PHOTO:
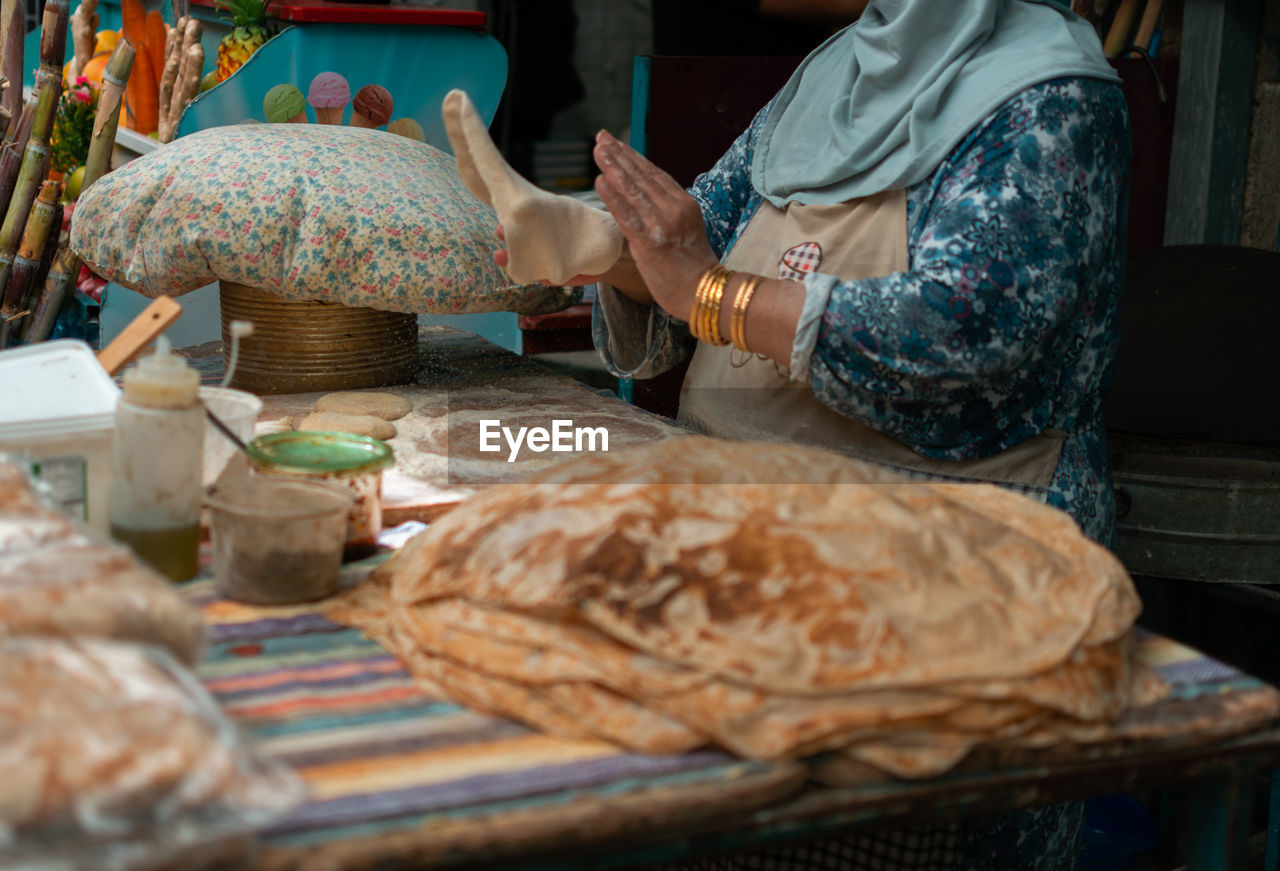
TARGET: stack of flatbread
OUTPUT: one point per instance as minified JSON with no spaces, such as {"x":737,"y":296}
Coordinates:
{"x":773,"y":600}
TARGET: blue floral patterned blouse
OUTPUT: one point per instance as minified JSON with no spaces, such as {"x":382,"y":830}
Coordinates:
{"x":1007,"y":322}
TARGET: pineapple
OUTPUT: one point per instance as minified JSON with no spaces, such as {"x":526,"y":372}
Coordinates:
{"x":250,"y":31}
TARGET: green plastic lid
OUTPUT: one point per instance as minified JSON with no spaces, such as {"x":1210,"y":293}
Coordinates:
{"x":309,"y":453}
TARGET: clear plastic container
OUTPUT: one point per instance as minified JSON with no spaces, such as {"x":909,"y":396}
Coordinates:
{"x":351,"y":461}
{"x":239,"y":410}
{"x":277,"y":541}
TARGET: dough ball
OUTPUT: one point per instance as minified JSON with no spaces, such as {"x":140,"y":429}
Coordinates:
{"x":358,"y":424}
{"x":387,"y":406}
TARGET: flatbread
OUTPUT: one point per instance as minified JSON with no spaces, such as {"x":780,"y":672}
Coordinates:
{"x":799,"y":588}
{"x":751,"y":722}
{"x":387,"y":406}
{"x":774,"y":600}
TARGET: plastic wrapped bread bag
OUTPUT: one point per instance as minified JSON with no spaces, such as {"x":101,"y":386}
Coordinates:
{"x":58,"y":579}
{"x":115,"y":756}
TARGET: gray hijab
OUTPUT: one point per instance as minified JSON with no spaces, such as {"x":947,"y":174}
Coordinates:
{"x":880,"y":104}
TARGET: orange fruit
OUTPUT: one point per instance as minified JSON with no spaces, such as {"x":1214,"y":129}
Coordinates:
{"x":107,"y":40}
{"x":94,"y":69}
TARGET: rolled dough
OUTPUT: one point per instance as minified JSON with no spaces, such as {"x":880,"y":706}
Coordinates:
{"x":549,"y":238}
{"x":387,"y":406}
{"x":357,"y":424}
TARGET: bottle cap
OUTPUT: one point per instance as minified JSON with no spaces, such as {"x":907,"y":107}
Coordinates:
{"x":162,"y":380}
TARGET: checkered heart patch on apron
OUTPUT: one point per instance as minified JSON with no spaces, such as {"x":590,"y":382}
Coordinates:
{"x":800,"y":260}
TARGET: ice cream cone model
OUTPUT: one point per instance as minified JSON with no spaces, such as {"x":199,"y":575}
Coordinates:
{"x":407,"y":128}
{"x":371,"y":107}
{"x":549,"y":237}
{"x":328,"y":95}
{"x":285,"y":104}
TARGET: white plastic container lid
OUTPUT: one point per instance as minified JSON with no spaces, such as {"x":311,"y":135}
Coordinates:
{"x":54,"y":388}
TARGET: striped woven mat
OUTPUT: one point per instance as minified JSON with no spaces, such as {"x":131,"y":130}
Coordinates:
{"x":386,"y":764}
{"x":400,"y":779}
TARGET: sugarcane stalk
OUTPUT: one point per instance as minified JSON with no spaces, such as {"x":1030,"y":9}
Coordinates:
{"x":53,"y":34}
{"x":11,"y":162}
{"x":20,"y":128}
{"x":14,"y":30}
{"x":12,"y":151}
{"x":35,"y":165}
{"x":34,"y":238}
{"x":54,"y":242}
{"x":27,"y":261}
{"x":107,"y":120}
{"x":36,"y":152}
{"x":66,"y":266}
{"x":57,"y":290}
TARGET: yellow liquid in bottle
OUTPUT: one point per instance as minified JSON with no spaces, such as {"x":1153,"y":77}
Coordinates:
{"x":175,"y":553}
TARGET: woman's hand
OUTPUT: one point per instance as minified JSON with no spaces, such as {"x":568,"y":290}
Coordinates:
{"x":665,"y":232}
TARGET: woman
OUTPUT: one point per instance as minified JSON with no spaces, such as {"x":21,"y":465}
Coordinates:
{"x":936,"y":201}
{"x":930,"y":218}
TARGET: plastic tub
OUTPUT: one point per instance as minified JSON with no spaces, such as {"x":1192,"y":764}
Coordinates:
{"x":239,"y":411}
{"x":57,"y":413}
{"x":277,"y":541}
{"x":352,"y":461}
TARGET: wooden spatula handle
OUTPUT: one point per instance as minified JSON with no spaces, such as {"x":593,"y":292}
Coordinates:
{"x":142,"y":330}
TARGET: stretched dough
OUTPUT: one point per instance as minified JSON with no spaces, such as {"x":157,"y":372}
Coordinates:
{"x":356,"y":424}
{"x":387,"y":406}
{"x":548,"y":237}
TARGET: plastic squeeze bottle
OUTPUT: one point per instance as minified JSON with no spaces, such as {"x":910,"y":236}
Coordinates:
{"x":159,"y":441}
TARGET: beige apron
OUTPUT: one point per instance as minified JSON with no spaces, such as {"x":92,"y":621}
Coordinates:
{"x":734,"y":395}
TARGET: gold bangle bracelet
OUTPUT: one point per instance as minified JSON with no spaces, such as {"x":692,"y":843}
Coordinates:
{"x":699,"y":294}
{"x":698,"y":322}
{"x":695,"y":312}
{"x":715,"y":297}
{"x":738,"y":324}
{"x":708,"y":326}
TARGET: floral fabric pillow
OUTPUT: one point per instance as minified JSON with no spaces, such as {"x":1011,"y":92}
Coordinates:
{"x":309,"y":212}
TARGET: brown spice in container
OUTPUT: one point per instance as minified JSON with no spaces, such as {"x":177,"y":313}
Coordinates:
{"x":281,"y":576}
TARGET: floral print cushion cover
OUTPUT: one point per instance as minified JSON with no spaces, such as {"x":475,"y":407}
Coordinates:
{"x":308,"y":212}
